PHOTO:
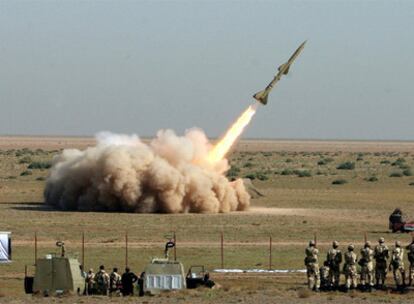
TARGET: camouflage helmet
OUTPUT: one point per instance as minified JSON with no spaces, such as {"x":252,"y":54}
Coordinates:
{"x":397,"y":244}
{"x":351,"y":247}
{"x":335,"y":244}
{"x":311,"y":243}
{"x":381,"y":240}
{"x":368,"y":244}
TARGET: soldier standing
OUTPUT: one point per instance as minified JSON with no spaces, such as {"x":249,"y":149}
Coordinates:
{"x":381,"y":255}
{"x":102,"y":281}
{"x":367,"y":267}
{"x":324,"y":271}
{"x":397,"y":264}
{"x":410,"y":254}
{"x":312,"y":266}
{"x":350,"y":268}
{"x":90,"y":282}
{"x":334,"y":258}
{"x":128,"y":279}
{"x":114,"y":282}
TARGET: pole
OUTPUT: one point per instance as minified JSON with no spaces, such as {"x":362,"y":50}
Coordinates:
{"x":365,"y":237}
{"x":35,"y":248}
{"x":222,"y":250}
{"x":83,"y":250}
{"x":175,"y":246}
{"x":270,"y":253}
{"x":126,"y":249}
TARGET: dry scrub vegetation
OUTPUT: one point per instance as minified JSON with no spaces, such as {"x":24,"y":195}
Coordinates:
{"x":301,"y":198}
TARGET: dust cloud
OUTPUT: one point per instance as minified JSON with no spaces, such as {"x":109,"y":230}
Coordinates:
{"x":171,"y":174}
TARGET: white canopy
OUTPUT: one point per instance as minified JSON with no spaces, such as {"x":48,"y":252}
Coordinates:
{"x":5,"y":247}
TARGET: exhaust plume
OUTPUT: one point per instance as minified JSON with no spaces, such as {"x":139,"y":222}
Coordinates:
{"x":171,"y":174}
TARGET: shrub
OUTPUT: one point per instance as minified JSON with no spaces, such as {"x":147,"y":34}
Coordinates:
{"x":250,"y":176}
{"x":346,"y":166}
{"x":303,"y":173}
{"x":39,"y":165}
{"x":408,"y":172}
{"x":404,"y":166}
{"x":11,"y":177}
{"x":287,"y":172}
{"x":26,"y":172}
{"x":289,"y":160}
{"x":248,"y":165}
{"x":396,"y":174}
{"x":411,"y":184}
{"x":261,"y":176}
{"x":233,"y":172}
{"x":25,"y":160}
{"x":385,"y":162}
{"x":372,"y":179}
{"x":400,"y":161}
{"x":322,"y":162}
{"x":41,"y":178}
{"x":339,"y":182}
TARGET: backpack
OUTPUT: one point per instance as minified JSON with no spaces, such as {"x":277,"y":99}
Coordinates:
{"x":100,"y":279}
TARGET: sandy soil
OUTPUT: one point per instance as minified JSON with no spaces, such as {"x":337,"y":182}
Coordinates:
{"x":248,"y":145}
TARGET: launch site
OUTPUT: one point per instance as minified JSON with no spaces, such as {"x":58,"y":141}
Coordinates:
{"x":198,"y":152}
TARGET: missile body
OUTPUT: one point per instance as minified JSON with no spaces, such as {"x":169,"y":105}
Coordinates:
{"x":283,"y":70}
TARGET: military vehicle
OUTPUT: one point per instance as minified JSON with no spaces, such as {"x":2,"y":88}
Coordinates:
{"x":398,"y":222}
{"x":56,"y":274}
{"x":282,"y":70}
{"x":163,"y":274}
{"x":197,"y":276}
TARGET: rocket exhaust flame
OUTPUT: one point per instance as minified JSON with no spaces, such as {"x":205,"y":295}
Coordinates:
{"x":222,"y":147}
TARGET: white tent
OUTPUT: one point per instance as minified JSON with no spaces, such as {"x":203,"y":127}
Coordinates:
{"x":5,"y":247}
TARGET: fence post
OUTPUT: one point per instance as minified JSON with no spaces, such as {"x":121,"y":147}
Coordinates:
{"x":175,"y":246}
{"x":83,"y":250}
{"x":126,"y":249}
{"x":35,"y":248}
{"x":222,"y":250}
{"x":270,"y":253}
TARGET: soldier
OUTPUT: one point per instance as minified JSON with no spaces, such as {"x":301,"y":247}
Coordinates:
{"x":114,"y":282}
{"x":334,"y":258}
{"x":381,"y":255}
{"x":367,"y":267}
{"x":128,"y":279}
{"x":90,"y":282}
{"x":102,"y":281}
{"x":410,"y":254}
{"x":350,"y":269}
{"x":397,"y":265}
{"x":312,"y":267}
{"x":324,"y":271}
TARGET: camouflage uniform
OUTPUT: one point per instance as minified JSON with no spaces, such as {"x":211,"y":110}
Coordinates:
{"x":350,"y":268}
{"x":312,"y":266}
{"x":367,"y":266}
{"x":334,"y":258}
{"x":324,"y":271}
{"x":102,"y":281}
{"x":115,"y":282}
{"x":397,"y":264}
{"x":381,"y":255}
{"x":410,"y":254}
{"x":90,"y":282}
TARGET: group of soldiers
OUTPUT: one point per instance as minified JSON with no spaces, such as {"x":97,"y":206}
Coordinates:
{"x":102,"y":283}
{"x":327,"y":277}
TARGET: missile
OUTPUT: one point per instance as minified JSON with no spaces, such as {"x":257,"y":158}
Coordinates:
{"x":283,"y":70}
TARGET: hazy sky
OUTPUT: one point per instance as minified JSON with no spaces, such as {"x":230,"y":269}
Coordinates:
{"x":79,"y":67}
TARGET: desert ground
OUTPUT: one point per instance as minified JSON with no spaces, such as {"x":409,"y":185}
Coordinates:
{"x":338,"y":190}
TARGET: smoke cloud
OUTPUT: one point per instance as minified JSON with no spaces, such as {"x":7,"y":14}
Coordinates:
{"x":171,"y":174}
